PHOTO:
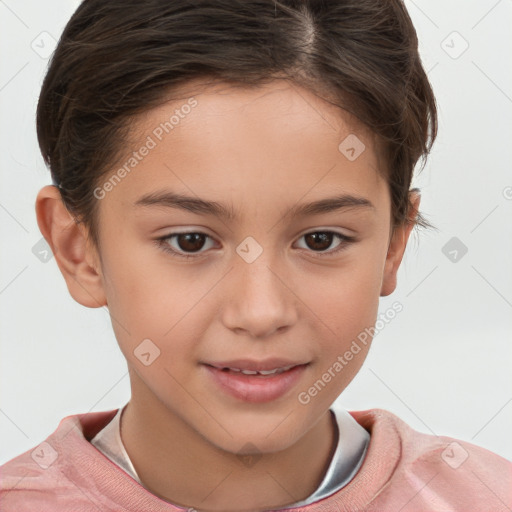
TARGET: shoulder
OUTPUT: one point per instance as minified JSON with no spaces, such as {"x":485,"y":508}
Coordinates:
{"x":33,"y":478}
{"x":38,"y":478}
{"x":434,"y":472}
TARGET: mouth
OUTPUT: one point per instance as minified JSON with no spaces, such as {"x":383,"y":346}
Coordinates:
{"x":262,"y":373}
{"x":256,"y":386}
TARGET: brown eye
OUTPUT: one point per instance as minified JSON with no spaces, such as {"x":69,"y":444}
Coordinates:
{"x":320,"y":240}
{"x":190,"y":241}
{"x":186,"y":245}
{"x":190,"y":244}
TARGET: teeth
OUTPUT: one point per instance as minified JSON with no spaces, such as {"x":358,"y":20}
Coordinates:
{"x":262,"y":372}
{"x":270,"y":372}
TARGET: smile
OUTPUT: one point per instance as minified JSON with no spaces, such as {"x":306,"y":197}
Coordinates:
{"x":260,"y":372}
{"x":256,"y":386}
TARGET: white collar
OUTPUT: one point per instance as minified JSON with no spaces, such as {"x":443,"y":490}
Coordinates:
{"x":350,"y":451}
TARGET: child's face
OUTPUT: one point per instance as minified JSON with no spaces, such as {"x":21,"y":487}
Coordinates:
{"x":259,"y":153}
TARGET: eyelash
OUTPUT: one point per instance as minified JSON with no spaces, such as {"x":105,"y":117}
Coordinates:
{"x":344,"y":239}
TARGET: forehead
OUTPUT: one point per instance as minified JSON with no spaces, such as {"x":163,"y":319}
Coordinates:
{"x":261,"y":145}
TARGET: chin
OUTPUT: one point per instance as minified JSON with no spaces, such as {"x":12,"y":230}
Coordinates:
{"x":250,"y":438}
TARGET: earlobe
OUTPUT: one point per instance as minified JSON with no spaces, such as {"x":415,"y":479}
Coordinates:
{"x":76,"y":259}
{"x":397,"y":246}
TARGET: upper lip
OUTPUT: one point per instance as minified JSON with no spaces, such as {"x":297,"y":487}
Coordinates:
{"x":249,"y":364}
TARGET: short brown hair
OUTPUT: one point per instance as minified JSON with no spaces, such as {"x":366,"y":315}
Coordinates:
{"x":119,"y":58}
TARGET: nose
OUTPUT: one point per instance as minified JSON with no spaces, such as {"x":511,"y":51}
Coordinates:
{"x":259,"y":301}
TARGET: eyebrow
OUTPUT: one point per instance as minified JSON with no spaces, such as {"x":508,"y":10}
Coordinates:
{"x":169,"y":199}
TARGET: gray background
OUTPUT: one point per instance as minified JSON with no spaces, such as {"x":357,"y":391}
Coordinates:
{"x":443,"y":364}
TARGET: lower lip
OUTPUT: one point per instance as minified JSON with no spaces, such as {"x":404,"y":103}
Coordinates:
{"x":256,"y":388}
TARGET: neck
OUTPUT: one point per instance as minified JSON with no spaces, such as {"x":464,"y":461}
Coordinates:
{"x":177,"y":464}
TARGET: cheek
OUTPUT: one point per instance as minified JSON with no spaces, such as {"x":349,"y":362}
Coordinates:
{"x":137,"y":298}
{"x":347,"y":309}
{"x":350,"y":296}
{"x":346,"y":306}
{"x":159,"y":302}
{"x":139,"y":280}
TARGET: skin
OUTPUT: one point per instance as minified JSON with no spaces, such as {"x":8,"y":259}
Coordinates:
{"x":259,"y":151}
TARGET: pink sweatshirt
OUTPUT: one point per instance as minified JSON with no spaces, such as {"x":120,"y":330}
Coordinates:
{"x":403,"y":471}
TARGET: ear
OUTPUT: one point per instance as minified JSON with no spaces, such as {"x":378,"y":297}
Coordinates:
{"x":77,"y":259}
{"x":397,"y":246}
